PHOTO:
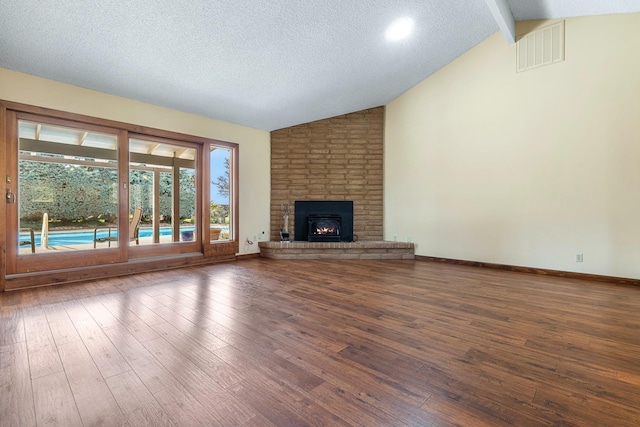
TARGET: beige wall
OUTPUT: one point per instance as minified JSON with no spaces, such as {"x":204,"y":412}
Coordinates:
{"x":486,"y":164}
{"x":254,"y":144}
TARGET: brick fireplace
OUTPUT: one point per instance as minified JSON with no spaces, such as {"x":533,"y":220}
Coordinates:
{"x":335,"y":159}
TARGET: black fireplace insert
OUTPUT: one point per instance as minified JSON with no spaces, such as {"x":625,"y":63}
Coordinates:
{"x":323,"y":221}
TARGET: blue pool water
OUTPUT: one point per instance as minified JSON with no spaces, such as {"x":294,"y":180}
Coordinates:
{"x":63,"y":238}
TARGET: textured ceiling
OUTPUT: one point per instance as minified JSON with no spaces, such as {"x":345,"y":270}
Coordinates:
{"x":524,"y":10}
{"x":267,"y":64}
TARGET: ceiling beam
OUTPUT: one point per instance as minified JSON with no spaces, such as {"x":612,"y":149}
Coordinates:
{"x":82,"y":138}
{"x":180,"y":153}
{"x":504,"y":18}
{"x":34,"y":146}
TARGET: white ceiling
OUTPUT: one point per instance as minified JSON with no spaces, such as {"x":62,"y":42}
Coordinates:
{"x":263,"y":64}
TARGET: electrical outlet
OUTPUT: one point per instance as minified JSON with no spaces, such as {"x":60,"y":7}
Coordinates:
{"x":579,"y":258}
{"x":408,"y":239}
{"x":395,"y":238}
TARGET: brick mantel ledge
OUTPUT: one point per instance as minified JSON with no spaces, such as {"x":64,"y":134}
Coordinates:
{"x":337,"y":250}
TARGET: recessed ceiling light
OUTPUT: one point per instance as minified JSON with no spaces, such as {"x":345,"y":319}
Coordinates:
{"x":399,"y":29}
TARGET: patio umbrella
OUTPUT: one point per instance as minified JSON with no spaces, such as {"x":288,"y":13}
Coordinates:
{"x":44,"y":236}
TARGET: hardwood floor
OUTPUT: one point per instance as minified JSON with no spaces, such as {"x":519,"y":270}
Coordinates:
{"x":291,"y":343}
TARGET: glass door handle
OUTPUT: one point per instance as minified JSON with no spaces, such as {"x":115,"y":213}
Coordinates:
{"x":11,"y":197}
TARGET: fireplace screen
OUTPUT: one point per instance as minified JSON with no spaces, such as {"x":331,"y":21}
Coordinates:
{"x":324,"y":228}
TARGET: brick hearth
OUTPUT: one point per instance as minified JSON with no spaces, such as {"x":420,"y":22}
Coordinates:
{"x":341,"y":250}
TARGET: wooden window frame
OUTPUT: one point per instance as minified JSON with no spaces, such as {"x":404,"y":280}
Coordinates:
{"x":17,"y":271}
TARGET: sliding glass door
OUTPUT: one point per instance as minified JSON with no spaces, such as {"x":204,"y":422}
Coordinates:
{"x":163,"y":184}
{"x":89,"y":192}
{"x":65,"y":197}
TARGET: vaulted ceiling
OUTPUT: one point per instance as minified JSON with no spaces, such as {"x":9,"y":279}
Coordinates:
{"x":262,"y":64}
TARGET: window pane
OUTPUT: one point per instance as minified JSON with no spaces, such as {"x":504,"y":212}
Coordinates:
{"x":67,"y":188}
{"x":163,"y":186}
{"x":220,"y":207}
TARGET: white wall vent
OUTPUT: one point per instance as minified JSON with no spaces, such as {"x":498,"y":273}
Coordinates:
{"x":540,"y":47}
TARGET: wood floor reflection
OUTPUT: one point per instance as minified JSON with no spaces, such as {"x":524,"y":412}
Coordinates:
{"x":278,"y":343}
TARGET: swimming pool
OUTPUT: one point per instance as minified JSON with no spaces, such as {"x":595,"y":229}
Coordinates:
{"x":83,"y":237}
